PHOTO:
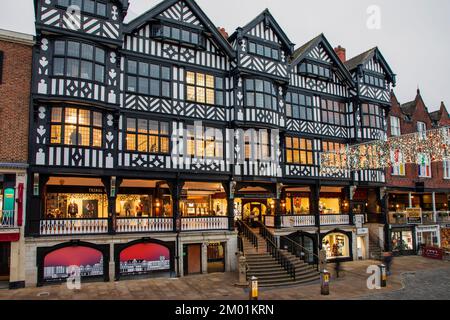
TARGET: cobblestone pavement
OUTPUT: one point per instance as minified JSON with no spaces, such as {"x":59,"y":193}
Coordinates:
{"x":431,"y":280}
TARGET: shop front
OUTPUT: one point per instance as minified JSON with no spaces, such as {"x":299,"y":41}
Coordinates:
{"x":402,"y":240}
{"x":337,"y":245}
{"x":445,"y":236}
{"x":428,"y":236}
{"x":5,"y":261}
{"x":216,"y":257}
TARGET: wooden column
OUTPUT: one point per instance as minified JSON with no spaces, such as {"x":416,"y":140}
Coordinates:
{"x":314,"y":209}
{"x":229,"y":187}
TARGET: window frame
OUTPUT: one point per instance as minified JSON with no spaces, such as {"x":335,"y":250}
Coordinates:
{"x":331,"y":146}
{"x":138,"y":76}
{"x":83,"y":10}
{"x":398,"y":168}
{"x":264,"y":47}
{"x":293,"y":149}
{"x":307,"y":68}
{"x":273,"y":94}
{"x":290,"y":105}
{"x":424,"y":171}
{"x":62,"y":124}
{"x":193,"y":144}
{"x":398,"y":130}
{"x":342,"y":114}
{"x":127,"y":133}
{"x":374,"y":80}
{"x":158,"y":32}
{"x":370,"y":115}
{"x":80,"y":59}
{"x":446,"y":169}
{"x":218,"y":92}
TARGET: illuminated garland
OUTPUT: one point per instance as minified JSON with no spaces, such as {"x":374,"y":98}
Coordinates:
{"x":420,"y":148}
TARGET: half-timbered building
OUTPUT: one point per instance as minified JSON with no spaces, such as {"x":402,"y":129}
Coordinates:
{"x":152,"y":138}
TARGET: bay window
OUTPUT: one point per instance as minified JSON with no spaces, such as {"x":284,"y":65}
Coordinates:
{"x":80,"y":127}
{"x":148,"y":79}
{"x":263,"y":50}
{"x":204,"y":88}
{"x":372,"y":116}
{"x":333,"y":112}
{"x":88,"y":6}
{"x":261,"y":94}
{"x":78,"y":60}
{"x":206,"y":142}
{"x":299,"y":106}
{"x":314,"y":69}
{"x":299,"y":151}
{"x":144,"y":135}
{"x":374,"y":80}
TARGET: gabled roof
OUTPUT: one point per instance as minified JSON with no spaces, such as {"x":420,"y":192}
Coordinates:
{"x":301,"y":52}
{"x":362,"y":58}
{"x":166,"y":4}
{"x":438,"y":114}
{"x":269,"y":20}
{"x":409,"y":108}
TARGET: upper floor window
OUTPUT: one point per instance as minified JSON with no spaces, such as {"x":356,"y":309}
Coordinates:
{"x":299,"y":106}
{"x":372,"y":116}
{"x":207,"y":142}
{"x":264,"y":51}
{"x":177,"y":34}
{"x":374,"y":81}
{"x":204,"y":88}
{"x":261,"y":94}
{"x":446,"y":164}
{"x":424,"y":166}
{"x":397,"y":163}
{"x":79,"y":60}
{"x":148,"y":79}
{"x":337,"y":158}
{"x":395,"y":126}
{"x":333,"y":112}
{"x":421,"y":129}
{"x":299,"y":151}
{"x":257,"y":144}
{"x":78,"y":127}
{"x":89,"y":6}
{"x":319,"y":70}
{"x":147,"y":135}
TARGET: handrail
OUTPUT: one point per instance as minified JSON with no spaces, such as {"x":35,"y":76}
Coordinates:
{"x":295,"y":248}
{"x":276,"y":253}
{"x":248,"y":233}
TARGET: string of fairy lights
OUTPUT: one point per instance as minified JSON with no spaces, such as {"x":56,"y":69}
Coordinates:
{"x":419,"y":147}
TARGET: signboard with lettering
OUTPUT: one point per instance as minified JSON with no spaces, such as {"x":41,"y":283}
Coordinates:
{"x":414,"y":215}
{"x":433,"y":253}
{"x":362,"y":231}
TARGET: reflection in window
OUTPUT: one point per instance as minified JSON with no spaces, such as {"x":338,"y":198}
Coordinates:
{"x":147,"y":135}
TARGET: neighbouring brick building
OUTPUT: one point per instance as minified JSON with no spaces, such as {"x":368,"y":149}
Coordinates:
{"x":425,"y":185}
{"x":15,"y":80}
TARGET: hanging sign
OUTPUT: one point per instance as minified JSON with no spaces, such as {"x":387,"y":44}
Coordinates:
{"x":414,"y":215}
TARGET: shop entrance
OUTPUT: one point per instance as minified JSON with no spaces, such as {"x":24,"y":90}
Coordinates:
{"x":361,"y":247}
{"x":5,"y":254}
{"x":254,"y":210}
{"x":192,"y":259}
{"x":216,"y":257}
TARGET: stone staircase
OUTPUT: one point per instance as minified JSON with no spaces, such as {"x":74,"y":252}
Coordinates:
{"x":375,"y":252}
{"x":271,"y":274}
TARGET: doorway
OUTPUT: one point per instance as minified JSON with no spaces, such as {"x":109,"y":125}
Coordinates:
{"x":192,"y":259}
{"x":5,"y":259}
{"x":361,"y":247}
{"x":216,"y":257}
{"x":253,"y":211}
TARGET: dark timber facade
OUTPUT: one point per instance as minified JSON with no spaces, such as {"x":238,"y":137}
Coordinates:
{"x":156,"y":135}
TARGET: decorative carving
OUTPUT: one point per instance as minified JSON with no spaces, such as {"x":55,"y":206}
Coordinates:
{"x":41,"y":113}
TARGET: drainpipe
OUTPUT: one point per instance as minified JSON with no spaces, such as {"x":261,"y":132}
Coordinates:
{"x":433,"y":200}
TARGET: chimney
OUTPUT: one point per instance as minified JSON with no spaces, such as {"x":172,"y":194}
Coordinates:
{"x":223,"y":32}
{"x":341,"y":53}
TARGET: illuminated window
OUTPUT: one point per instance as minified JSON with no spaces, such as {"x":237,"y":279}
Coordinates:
{"x":299,"y":151}
{"x":338,"y":158}
{"x":147,"y":136}
{"x":424,"y":165}
{"x":80,"y":127}
{"x":397,"y":163}
{"x":204,"y":142}
{"x":204,"y":88}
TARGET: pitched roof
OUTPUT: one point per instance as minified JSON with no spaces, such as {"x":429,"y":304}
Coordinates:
{"x":408,"y":108}
{"x":304,"y":48}
{"x":352,"y":63}
{"x":166,"y":4}
{"x":268,"y":18}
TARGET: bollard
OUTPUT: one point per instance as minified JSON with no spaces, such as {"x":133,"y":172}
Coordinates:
{"x":254,"y":288}
{"x":383,"y":276}
{"x":324,"y":283}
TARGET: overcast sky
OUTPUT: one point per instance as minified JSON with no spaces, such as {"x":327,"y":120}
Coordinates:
{"x":413,"y":36}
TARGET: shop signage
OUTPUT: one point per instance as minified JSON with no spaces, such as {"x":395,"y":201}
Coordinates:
{"x":414,"y":215}
{"x":362,"y":231}
{"x":433,"y":253}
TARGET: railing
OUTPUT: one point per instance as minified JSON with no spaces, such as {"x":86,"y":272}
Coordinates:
{"x":269,"y":221}
{"x":397,"y":218}
{"x":204,"y":223}
{"x":73,"y":226}
{"x":276,"y":253}
{"x":427,"y":217}
{"x":240,"y":244}
{"x":299,"y":251}
{"x":7,"y":219}
{"x":332,"y":219}
{"x":443,"y":216}
{"x":144,"y":224}
{"x":297,"y":221}
{"x":247,"y":232}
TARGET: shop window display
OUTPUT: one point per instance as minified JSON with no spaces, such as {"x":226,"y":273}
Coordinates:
{"x":336,"y":245}
{"x":402,"y":240}
{"x":76,"y":206}
{"x":134,"y":205}
{"x":199,"y":205}
{"x":329,"y":205}
{"x":297,"y":205}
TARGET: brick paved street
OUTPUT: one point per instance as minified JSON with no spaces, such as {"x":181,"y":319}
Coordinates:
{"x":431,"y":281}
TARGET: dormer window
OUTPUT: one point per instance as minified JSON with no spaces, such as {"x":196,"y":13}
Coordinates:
{"x":171,"y":33}
{"x":264,"y":51}
{"x":315,"y":70}
{"x":373,"y":80}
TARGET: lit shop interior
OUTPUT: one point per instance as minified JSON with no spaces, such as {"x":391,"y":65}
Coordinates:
{"x":336,"y":245}
{"x":400,"y":201}
{"x":203,"y":199}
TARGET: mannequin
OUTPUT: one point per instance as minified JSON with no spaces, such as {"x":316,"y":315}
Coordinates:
{"x":73,"y":209}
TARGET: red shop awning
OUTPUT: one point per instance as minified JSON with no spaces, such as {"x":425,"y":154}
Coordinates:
{"x":9,"y":237}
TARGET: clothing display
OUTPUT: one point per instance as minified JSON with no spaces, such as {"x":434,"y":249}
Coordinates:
{"x":72,"y":209}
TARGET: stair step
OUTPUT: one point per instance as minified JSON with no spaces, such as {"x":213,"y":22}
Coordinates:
{"x":288,"y":283}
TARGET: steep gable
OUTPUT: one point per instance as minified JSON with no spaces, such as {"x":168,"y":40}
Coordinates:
{"x":181,"y":12}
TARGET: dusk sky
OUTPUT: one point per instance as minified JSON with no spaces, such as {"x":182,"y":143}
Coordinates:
{"x":413,"y":34}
